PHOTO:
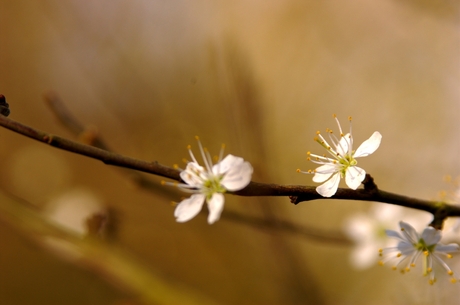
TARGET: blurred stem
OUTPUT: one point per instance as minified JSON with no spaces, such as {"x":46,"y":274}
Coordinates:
{"x":107,"y":261}
{"x":91,"y":137}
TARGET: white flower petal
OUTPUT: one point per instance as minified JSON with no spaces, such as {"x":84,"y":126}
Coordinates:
{"x":229,"y":162}
{"x":369,"y":146}
{"x":411,"y":235}
{"x":215,"y":206}
{"x":238,"y":177}
{"x":193,"y":174}
{"x":359,"y":227}
{"x":394,"y":234}
{"x":364,"y":255}
{"x":189,"y":208}
{"x":387,"y":213}
{"x":447,"y":248}
{"x":344,"y":145}
{"x":354,"y":176}
{"x":431,"y":236}
{"x":406,"y":248}
{"x":323,"y":172}
{"x":329,"y":188}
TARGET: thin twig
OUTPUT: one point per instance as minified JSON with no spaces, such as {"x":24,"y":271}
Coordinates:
{"x":297,"y":193}
{"x":71,"y":123}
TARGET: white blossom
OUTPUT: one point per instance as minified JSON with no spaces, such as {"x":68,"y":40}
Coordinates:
{"x":208,"y":183}
{"x":342,"y":161}
{"x":411,"y":246}
{"x":367,"y":230}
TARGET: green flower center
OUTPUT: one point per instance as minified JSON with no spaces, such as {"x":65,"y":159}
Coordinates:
{"x":213,"y":185}
{"x":422,"y":246}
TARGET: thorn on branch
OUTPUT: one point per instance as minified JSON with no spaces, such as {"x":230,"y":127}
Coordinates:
{"x":369,"y":184}
{"x":294,"y":199}
{"x":4,"y":107}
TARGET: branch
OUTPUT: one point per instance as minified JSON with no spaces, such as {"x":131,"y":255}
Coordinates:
{"x":105,"y":156}
{"x":297,"y":193}
{"x":91,"y":137}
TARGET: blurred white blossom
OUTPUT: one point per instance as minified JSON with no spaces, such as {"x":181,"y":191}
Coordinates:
{"x":79,"y":212}
{"x":367,"y":230}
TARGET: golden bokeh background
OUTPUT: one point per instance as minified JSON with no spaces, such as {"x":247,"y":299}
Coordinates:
{"x":259,"y":76}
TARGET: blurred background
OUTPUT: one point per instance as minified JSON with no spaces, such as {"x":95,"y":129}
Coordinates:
{"x":261,"y":77}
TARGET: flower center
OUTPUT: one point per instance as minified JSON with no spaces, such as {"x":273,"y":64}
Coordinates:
{"x":212,"y":185}
{"x":422,"y":246}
